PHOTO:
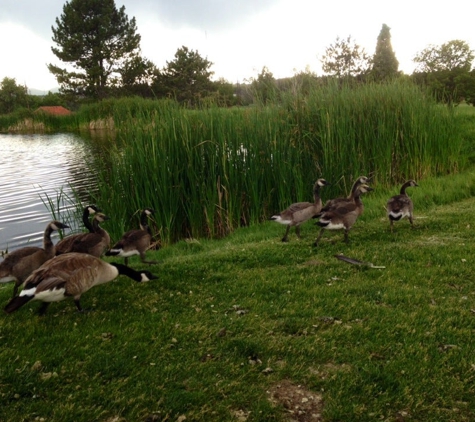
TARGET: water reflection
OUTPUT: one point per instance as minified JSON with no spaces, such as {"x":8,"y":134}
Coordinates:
{"x":33,"y":167}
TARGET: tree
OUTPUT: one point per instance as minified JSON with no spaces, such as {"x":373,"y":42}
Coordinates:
{"x":385,"y":64}
{"x":345,"y":58}
{"x":187,"y":78}
{"x":446,"y":70}
{"x":224,"y":93}
{"x":98,"y":41}
{"x":12,"y":96}
{"x":136,"y":77}
{"x":455,"y":54}
{"x":264,"y":88}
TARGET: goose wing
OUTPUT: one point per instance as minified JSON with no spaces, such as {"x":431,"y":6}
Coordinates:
{"x":14,"y":257}
{"x":398,"y":202}
{"x":131,"y":236}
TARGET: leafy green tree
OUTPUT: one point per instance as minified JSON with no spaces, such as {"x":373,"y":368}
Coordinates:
{"x":446,"y":70}
{"x":345,"y":58}
{"x":455,"y":54}
{"x":98,"y":41}
{"x":52,"y":99}
{"x":264,"y":87}
{"x":224,"y":93}
{"x":136,"y":77}
{"x":187,"y":78}
{"x":12,"y":96}
{"x":385,"y":65}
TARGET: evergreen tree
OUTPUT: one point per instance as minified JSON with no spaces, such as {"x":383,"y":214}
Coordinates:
{"x":98,"y":41}
{"x":187,"y":78}
{"x":385,"y":64}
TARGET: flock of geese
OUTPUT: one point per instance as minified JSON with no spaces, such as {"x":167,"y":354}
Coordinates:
{"x":342,"y":213}
{"x":74,"y":265}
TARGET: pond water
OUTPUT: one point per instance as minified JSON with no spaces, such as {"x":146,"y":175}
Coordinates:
{"x":34,"y":168}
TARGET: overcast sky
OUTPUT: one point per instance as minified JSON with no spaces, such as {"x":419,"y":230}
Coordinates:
{"x":240,"y":37}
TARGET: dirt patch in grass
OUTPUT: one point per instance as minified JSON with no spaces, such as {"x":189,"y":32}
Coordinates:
{"x":301,"y":404}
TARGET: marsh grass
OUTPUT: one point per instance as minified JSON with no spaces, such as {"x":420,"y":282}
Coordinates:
{"x":390,"y":344}
{"x":212,"y":170}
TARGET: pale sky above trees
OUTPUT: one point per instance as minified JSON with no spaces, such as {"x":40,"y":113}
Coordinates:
{"x":240,"y":38}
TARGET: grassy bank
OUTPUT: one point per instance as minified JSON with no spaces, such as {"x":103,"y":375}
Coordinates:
{"x":247,"y":328}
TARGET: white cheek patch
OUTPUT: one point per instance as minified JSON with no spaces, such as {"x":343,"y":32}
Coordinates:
{"x":29,"y":292}
{"x":144,"y":278}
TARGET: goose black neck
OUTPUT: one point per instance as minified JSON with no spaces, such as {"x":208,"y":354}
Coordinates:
{"x":144,"y":222}
{"x":404,"y":187}
{"x":85,"y":220}
{"x":127,"y":271}
{"x":47,"y":242}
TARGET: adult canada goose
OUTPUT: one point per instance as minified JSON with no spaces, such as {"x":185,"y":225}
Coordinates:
{"x":335,"y":201}
{"x":344,"y":214}
{"x":95,"y":243}
{"x":64,"y":244}
{"x":400,"y":206}
{"x":300,"y":212}
{"x":135,"y":242}
{"x":19,"y":264}
{"x":70,"y":275}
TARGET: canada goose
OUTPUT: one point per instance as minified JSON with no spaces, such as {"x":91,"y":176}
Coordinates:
{"x":400,"y":206}
{"x":70,"y":275}
{"x":300,"y":212}
{"x":95,"y":243}
{"x":344,"y":214}
{"x":335,"y":201}
{"x":135,"y":242}
{"x":19,"y":264}
{"x":64,"y":244}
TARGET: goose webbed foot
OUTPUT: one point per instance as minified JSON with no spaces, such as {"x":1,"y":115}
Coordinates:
{"x":43,"y":308}
{"x":80,"y":308}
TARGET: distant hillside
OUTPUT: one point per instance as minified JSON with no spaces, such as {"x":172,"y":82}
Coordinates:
{"x":42,"y":92}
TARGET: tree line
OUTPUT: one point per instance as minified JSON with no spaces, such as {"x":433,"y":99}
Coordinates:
{"x":100,"y":48}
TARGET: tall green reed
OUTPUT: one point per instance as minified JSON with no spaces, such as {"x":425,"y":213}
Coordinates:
{"x":211,"y":170}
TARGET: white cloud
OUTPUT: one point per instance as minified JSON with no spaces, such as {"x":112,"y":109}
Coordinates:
{"x":240,"y":38}
{"x":25,"y":57}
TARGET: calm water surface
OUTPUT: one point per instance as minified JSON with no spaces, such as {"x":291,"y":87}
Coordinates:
{"x":33,"y":167}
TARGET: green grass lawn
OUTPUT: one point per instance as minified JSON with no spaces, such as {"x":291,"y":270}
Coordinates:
{"x":248,"y":328}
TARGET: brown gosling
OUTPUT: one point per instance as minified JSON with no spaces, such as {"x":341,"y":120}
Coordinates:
{"x":344,"y":214}
{"x":19,"y":264}
{"x":333,"y":202}
{"x":135,"y":242}
{"x":70,"y":275}
{"x":401,"y":206}
{"x":96,"y":243}
{"x":64,"y":244}
{"x":300,"y":212}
